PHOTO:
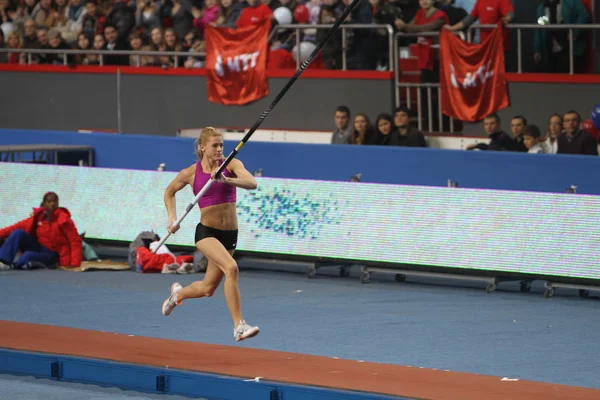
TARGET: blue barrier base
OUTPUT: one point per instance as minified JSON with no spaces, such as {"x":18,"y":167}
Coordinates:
{"x":163,"y":380}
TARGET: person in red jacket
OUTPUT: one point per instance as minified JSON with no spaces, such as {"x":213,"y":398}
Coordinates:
{"x":255,"y":13}
{"x":47,"y":238}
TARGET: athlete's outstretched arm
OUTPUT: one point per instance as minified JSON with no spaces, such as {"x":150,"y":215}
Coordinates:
{"x":180,"y":181}
{"x":243,"y":179}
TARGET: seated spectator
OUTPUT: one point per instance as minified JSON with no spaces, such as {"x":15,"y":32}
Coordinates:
{"x":74,"y":13}
{"x":42,"y":40}
{"x":196,"y":61}
{"x":531,"y":139}
{"x":229,"y":14}
{"x":343,"y":129}
{"x":122,"y":17}
{"x":386,"y":133}
{"x":517,"y":125}
{"x":43,"y":14}
{"x":555,"y":128}
{"x":94,"y":20}
{"x":574,"y":140}
{"x":409,"y":135}
{"x":115,"y":42}
{"x":46,"y":239}
{"x":172,"y":44}
{"x":362,"y":132}
{"x":15,"y":41}
{"x":499,"y":140}
{"x":30,"y":37}
{"x":99,"y":44}
{"x":84,"y":42}
{"x":135,"y":42}
{"x":147,"y":16}
{"x":551,"y":46}
{"x":55,"y":42}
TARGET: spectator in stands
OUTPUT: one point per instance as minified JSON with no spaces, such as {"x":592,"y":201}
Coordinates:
{"x":149,"y":61}
{"x":147,"y":16}
{"x":230,"y":12}
{"x":196,"y":61}
{"x":115,"y":42}
{"x":488,"y":12}
{"x":383,"y":12}
{"x":574,"y":140}
{"x":555,"y":128}
{"x":517,"y":125}
{"x":135,"y":42}
{"x":99,"y":44}
{"x":173,"y":44}
{"x":254,"y":13}
{"x":499,"y":140}
{"x":30,"y":38}
{"x":362,"y":132}
{"x":43,"y":14}
{"x":386,"y":133}
{"x":360,"y":53}
{"x":205,"y":16}
{"x":552,"y":45}
{"x":42,"y":38}
{"x":29,"y":6}
{"x":343,"y":129}
{"x":84,"y":42}
{"x":69,"y":19}
{"x":455,"y":14}
{"x":531,"y":139}
{"x":47,"y":238}
{"x":179,"y":12}
{"x":427,"y":19}
{"x":93,"y":21}
{"x":122,"y":17}
{"x":409,"y":135}
{"x":15,"y":41}
{"x":332,"y":50}
{"x":56,"y":43}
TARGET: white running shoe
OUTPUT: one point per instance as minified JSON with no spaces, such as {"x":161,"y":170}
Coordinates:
{"x":172,"y":302}
{"x":244,"y":331}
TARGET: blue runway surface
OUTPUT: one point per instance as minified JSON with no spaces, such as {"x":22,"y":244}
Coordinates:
{"x":458,"y":328}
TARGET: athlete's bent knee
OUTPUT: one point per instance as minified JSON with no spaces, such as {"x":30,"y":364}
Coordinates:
{"x":231,"y":269}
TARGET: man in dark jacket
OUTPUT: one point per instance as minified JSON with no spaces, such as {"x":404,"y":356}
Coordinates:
{"x":574,"y":140}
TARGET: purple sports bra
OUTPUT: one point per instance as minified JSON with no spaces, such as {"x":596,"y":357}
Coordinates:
{"x":218,"y":193}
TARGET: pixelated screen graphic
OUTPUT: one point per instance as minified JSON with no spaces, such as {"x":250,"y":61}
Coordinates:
{"x":524,"y":232}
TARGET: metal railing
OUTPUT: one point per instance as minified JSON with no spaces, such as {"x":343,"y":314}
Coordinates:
{"x":101,"y":53}
{"x":521,"y":27}
{"x":343,"y":28}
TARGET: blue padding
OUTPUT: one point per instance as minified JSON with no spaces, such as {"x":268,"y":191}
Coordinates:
{"x":163,"y":380}
{"x":397,"y":165}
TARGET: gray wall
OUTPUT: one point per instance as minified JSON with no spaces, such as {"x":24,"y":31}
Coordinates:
{"x":162,"y":104}
{"x":154,"y":104}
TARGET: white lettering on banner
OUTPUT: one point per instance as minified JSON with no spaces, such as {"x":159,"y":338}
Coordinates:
{"x":237,"y":63}
{"x":470,"y":80}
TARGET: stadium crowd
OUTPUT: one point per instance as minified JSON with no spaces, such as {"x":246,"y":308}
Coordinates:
{"x":179,"y":25}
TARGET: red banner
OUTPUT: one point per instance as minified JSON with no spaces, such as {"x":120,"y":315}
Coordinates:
{"x":472,"y":76}
{"x":236,"y":61}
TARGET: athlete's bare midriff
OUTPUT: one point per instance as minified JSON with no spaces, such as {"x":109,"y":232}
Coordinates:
{"x":220,"y":216}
